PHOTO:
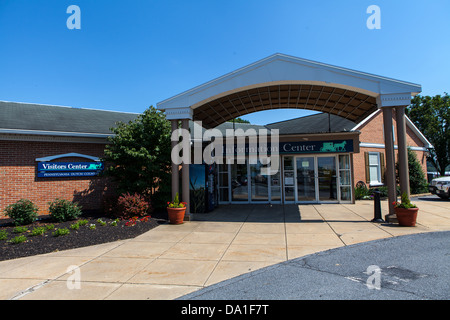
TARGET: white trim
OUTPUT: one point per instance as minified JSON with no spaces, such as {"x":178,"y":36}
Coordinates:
{"x":365,"y":120}
{"x":394,"y":99}
{"x":56,"y":133}
{"x":51,"y":105}
{"x":68,"y":155}
{"x":280,"y":68}
{"x":378,"y":167}
{"x":418,"y":133}
{"x":381,"y":146}
{"x":409,"y":123}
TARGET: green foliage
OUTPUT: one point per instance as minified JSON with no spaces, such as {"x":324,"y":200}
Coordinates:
{"x":64,"y":210}
{"x":361,"y":192}
{"x":60,"y":232}
{"x":20,"y":229}
{"x":239,"y":120}
{"x":3,"y":235}
{"x":139,"y":155}
{"x":176,"y":203}
{"x":38,"y":231}
{"x":417,"y":181}
{"x":18,"y":239}
{"x":406,"y":203}
{"x":75,"y":226}
{"x":364,"y":193}
{"x":22,"y":212}
{"x":431,"y":115}
{"x":83,"y":222}
{"x":101,"y":222}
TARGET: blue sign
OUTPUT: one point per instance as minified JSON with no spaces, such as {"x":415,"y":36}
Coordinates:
{"x":69,"y":169}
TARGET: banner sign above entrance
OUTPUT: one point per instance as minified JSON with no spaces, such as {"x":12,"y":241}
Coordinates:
{"x":69,"y":169}
{"x":334,"y":146}
{"x":298,"y":147}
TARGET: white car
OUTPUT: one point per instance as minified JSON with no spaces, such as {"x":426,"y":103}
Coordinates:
{"x":440,"y":187}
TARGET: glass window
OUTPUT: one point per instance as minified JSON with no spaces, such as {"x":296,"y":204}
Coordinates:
{"x":374,"y":168}
{"x":239,"y":182}
{"x":345,"y":178}
{"x":288,"y":163}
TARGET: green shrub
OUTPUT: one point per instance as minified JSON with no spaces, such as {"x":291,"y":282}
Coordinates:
{"x":22,"y":212}
{"x":83,"y":222}
{"x":361,"y":192}
{"x":18,"y":239}
{"x":20,"y":229}
{"x":60,"y":232}
{"x":38,"y":231}
{"x":63,"y":210}
{"x":75,"y":226}
{"x":3,"y":235}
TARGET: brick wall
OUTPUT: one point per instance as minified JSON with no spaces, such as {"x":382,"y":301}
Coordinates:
{"x":373,"y":132}
{"x":18,"y":175}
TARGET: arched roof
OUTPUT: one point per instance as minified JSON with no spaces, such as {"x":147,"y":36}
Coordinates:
{"x":282,"y":81}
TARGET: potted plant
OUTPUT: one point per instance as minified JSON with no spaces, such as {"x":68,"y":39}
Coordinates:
{"x":176,"y":210}
{"x":406,"y":212}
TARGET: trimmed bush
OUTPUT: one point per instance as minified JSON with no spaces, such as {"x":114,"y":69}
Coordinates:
{"x":63,"y":210}
{"x":22,"y":212}
{"x":132,"y":205}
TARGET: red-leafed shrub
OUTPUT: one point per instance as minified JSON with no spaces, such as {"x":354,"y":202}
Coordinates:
{"x":132,"y":205}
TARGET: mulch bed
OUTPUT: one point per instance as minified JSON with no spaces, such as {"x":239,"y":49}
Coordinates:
{"x":84,"y":236}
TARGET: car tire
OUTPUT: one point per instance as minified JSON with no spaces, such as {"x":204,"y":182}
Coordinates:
{"x":444,"y":197}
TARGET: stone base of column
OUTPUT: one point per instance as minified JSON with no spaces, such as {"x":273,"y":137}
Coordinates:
{"x":188,"y":217}
{"x":391,"y":218}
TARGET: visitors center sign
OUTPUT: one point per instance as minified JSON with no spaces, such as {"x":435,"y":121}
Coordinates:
{"x":69,"y":169}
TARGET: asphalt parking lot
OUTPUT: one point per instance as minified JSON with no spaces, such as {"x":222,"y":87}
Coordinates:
{"x":412,"y":267}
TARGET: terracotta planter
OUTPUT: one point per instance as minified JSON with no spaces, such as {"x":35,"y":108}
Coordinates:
{"x":406,"y":217}
{"x":176,"y":215}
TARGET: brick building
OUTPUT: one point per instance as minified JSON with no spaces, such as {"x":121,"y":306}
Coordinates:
{"x":31,"y":132}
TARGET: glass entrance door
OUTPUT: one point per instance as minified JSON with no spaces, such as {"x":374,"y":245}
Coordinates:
{"x":259,"y":183}
{"x":306,"y":182}
{"x":239,"y":182}
{"x":327,"y":179}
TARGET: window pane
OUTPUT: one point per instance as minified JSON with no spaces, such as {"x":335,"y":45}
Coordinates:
{"x":373,"y":159}
{"x":374,"y":174}
{"x":223,"y":179}
{"x":345,"y":177}
{"x":344,"y":162}
{"x":288,"y":163}
{"x":223,"y":192}
{"x":289,"y":194}
{"x":345,"y":193}
{"x":239,"y":183}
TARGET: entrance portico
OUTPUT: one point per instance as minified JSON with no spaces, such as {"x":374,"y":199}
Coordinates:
{"x":282,"y":81}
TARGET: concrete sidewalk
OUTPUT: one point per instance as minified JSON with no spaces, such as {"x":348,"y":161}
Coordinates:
{"x":173,"y":260}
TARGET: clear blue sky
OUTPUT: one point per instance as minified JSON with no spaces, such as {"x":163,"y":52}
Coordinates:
{"x":132,"y":54}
